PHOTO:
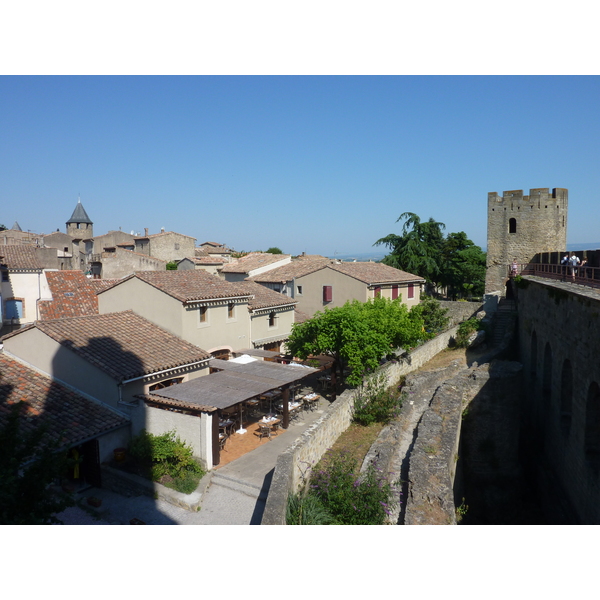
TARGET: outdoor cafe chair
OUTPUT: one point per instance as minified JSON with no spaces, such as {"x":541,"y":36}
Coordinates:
{"x":222,"y":439}
{"x":263,"y":431}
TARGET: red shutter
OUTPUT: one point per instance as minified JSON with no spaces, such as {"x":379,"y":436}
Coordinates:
{"x":377,"y":292}
{"x":394,"y":292}
{"x":411,"y":290}
{"x":327,"y":293}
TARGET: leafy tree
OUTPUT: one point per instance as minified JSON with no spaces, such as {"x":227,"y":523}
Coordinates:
{"x":2,"y":227}
{"x":418,"y":249}
{"x":274,"y":250}
{"x":172,"y":266}
{"x":29,"y":463}
{"x":463,"y":271}
{"x":358,"y":334}
{"x":433,"y":315}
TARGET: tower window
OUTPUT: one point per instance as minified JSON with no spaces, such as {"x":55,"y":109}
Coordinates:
{"x":512,"y":226}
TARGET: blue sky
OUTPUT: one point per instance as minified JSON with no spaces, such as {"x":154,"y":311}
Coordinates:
{"x":320,"y":164}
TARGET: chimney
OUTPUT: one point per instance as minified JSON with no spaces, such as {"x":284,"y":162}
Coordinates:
{"x":162,"y":229}
{"x":146,"y":231}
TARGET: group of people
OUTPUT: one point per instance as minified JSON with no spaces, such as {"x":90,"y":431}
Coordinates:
{"x":573,"y":264}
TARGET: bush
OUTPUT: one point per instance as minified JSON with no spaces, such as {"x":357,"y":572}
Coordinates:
{"x":433,"y":315}
{"x":465,"y":330}
{"x":307,"y":509}
{"x":374,"y":403}
{"x":167,"y":456}
{"x":350,"y":498}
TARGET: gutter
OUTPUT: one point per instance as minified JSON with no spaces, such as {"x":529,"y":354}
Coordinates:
{"x":199,"y":362}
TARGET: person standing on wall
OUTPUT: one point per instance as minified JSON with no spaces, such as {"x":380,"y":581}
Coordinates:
{"x":574,"y":262}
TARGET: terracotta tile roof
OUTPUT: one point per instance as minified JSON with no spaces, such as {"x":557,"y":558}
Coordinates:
{"x":371,"y":273}
{"x":263,"y":297}
{"x":19,"y":257}
{"x":122,"y":344}
{"x":297,"y":268}
{"x":73,"y":295}
{"x":100,"y":285}
{"x":69,"y":417}
{"x":188,"y":286}
{"x":206,"y":260}
{"x":253,"y":261}
{"x":300,"y":317}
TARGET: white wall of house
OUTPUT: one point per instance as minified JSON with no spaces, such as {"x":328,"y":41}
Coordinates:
{"x":194,"y":430}
{"x":28,"y":288}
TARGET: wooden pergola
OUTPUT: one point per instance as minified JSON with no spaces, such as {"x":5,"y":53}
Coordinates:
{"x":232,"y":384}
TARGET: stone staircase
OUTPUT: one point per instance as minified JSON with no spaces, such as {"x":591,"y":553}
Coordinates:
{"x":503,"y":320}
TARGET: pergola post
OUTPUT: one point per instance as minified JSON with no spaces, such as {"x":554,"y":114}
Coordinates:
{"x":285,"y":395}
{"x":216,"y":451}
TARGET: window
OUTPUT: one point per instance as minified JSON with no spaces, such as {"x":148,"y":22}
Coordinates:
{"x":411,"y":290}
{"x":377,"y":292}
{"x":4,"y":275}
{"x":202,"y":314}
{"x":512,"y":226}
{"x":327,"y":293}
{"x":14,"y":309}
{"x":272,"y":319}
{"x":230,"y":310}
{"x":299,"y":290}
{"x":394,"y":292}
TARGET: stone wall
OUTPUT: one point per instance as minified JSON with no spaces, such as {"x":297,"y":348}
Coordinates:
{"x":559,"y":327}
{"x":460,"y":311}
{"x":294,"y":465}
{"x":520,"y":226}
{"x":473,"y":420}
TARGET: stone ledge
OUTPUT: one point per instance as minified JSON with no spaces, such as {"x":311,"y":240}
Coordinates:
{"x":128,"y":484}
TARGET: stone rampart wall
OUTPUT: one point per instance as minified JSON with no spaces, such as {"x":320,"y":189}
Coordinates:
{"x":293,"y":466}
{"x":460,"y":311}
{"x":559,"y":329}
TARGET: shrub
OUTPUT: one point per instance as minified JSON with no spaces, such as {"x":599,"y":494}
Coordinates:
{"x":166,"y":455}
{"x":350,"y":498}
{"x":374,"y":403}
{"x":465,"y":330}
{"x":433,"y":315}
{"x":307,"y":509}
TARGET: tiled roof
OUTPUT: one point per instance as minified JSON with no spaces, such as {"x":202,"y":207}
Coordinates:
{"x":69,"y":417}
{"x":19,"y":257}
{"x":300,"y":317}
{"x":263,"y":297}
{"x":370,"y":272}
{"x":188,"y":286}
{"x":155,"y":235}
{"x":73,"y":295}
{"x":100,"y":285}
{"x":253,"y":261}
{"x":122,"y":344}
{"x":297,"y":268}
{"x":205,"y":260}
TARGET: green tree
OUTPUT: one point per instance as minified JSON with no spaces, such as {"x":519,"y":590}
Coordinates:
{"x":274,"y":250}
{"x":172,"y":266}
{"x":418,"y":250}
{"x":463,"y":266}
{"x":29,"y":463}
{"x":358,"y":334}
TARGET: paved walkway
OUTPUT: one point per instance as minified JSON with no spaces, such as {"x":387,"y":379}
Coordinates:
{"x":236,"y":495}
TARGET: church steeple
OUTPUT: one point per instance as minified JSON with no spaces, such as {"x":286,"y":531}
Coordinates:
{"x":80,"y":225}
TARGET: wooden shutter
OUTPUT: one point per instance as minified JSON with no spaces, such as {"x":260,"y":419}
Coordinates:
{"x":327,"y":293}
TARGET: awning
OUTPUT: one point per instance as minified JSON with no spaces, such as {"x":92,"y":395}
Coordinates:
{"x":233,"y":384}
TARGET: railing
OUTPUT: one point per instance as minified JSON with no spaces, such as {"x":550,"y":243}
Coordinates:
{"x":583,"y":275}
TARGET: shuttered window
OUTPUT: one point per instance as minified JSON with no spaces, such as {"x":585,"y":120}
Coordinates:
{"x":327,"y":293}
{"x":411,"y":290}
{"x":394,"y":292}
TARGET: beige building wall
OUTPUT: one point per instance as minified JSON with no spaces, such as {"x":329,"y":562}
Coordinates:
{"x":263,"y":332}
{"x":403,"y":293}
{"x":219,"y":330}
{"x":344,"y":288}
{"x":121,"y":263}
{"x":146,"y":301}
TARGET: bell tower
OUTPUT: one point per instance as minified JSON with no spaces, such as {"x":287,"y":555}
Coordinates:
{"x":80,"y":226}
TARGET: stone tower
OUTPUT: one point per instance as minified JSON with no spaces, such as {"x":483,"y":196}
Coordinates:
{"x":520,"y":227}
{"x":80,"y":225}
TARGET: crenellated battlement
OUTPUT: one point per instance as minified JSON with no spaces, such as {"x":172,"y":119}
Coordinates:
{"x":519,"y":226}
